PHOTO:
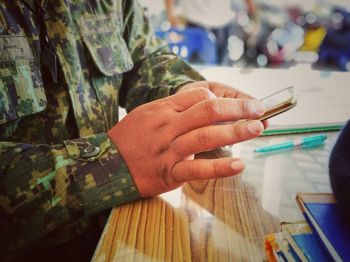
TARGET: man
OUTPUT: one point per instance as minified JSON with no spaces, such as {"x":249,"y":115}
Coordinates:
{"x":65,"y":67}
{"x":339,"y":169}
{"x":215,"y":16}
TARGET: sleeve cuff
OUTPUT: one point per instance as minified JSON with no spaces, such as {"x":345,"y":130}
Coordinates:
{"x":99,"y":176}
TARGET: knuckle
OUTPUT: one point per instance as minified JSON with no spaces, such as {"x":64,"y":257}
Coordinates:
{"x":237,"y":132}
{"x":205,"y":85}
{"x":212,"y":108}
{"x":161,"y":105}
{"x":171,"y":104}
{"x":191,"y":171}
{"x":216,"y":168}
{"x":203,"y":136}
{"x":240,"y":108}
{"x":203,"y":93}
{"x":243,"y":106}
{"x":151,"y":107}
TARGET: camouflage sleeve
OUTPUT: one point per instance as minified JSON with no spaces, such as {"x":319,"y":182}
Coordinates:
{"x":157,"y":72}
{"x":66,"y":182}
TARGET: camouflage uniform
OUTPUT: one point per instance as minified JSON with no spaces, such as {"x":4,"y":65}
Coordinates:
{"x":57,"y":166}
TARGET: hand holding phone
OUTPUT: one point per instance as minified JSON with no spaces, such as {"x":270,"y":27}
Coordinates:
{"x":279,"y":102}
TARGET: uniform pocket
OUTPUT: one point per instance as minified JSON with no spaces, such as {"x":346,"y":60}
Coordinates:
{"x":21,"y":86}
{"x":103,"y":38}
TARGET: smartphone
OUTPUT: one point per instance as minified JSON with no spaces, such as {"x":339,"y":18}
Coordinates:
{"x":279,"y":102}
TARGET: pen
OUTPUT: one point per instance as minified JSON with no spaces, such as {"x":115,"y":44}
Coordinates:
{"x":305,"y":142}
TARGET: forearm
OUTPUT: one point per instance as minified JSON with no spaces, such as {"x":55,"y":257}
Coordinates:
{"x":169,"y":7}
{"x":43,"y":187}
{"x":251,"y":8}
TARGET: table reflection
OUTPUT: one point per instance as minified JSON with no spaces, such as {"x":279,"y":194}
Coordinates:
{"x":220,"y":219}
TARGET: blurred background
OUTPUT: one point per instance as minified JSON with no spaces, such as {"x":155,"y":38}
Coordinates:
{"x":255,"y":33}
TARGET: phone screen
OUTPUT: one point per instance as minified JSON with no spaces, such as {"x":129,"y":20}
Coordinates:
{"x":279,"y":102}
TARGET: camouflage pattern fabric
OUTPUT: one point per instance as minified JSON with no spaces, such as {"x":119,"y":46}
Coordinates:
{"x":57,"y":166}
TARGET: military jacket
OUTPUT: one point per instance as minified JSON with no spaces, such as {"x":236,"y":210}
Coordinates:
{"x":57,"y":165}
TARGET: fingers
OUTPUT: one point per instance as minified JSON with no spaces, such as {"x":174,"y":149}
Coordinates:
{"x":218,"y":110}
{"x":185,"y":99}
{"x":206,"y":168}
{"x":219,"y":89}
{"x":222,"y":90}
{"x":211,"y":137}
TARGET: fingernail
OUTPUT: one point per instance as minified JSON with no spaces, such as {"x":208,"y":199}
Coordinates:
{"x":255,"y":127}
{"x":237,"y":165}
{"x":257,"y":106}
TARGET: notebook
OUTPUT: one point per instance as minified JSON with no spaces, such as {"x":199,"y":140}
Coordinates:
{"x":323,"y":97}
{"x":329,"y":225}
{"x":301,"y":239}
{"x":277,"y":248}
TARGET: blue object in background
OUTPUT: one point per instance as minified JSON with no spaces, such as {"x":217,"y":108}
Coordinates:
{"x":335,"y":48}
{"x":194,"y":45}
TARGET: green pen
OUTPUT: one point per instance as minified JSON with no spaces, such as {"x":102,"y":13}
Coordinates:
{"x":305,"y":142}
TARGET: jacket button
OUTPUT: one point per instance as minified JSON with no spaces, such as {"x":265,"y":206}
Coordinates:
{"x":90,"y":151}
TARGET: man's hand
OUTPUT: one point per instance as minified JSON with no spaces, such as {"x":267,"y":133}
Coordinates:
{"x":158,"y":139}
{"x":220,"y":90}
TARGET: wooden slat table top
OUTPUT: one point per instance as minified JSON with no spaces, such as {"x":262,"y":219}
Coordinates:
{"x":222,"y":219}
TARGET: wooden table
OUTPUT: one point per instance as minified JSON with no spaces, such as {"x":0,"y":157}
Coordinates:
{"x":222,"y":219}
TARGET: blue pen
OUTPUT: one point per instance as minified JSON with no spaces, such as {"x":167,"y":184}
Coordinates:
{"x":305,"y":142}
